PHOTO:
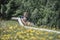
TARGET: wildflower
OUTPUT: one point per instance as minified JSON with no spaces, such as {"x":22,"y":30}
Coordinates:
{"x":25,"y":39}
{"x":50,"y":37}
{"x":46,"y":32}
{"x":37,"y":33}
{"x":15,"y":26}
{"x":34,"y":38}
{"x":59,"y":36}
{"x":42,"y":38}
{"x":18,"y":33}
{"x":10,"y":27}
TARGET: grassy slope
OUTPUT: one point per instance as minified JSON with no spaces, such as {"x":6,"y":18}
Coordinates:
{"x":12,"y":31}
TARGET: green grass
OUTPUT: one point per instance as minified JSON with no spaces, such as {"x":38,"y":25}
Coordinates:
{"x":11,"y":30}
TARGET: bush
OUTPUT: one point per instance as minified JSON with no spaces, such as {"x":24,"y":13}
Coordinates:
{"x":43,"y":12}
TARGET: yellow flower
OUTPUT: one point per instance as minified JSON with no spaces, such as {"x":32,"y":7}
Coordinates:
{"x":15,"y":26}
{"x":46,"y":32}
{"x":25,"y":39}
{"x":2,"y":38}
{"x":51,"y":37}
{"x":0,"y":28}
{"x":15,"y":37}
{"x":6,"y":36}
{"x":34,"y":38}
{"x":51,"y":33}
{"x":20,"y":36}
{"x":10,"y":27}
{"x":59,"y":36}
{"x":31,"y":33}
{"x":37,"y":33}
{"x":8,"y":30}
{"x":18,"y":33}
{"x":42,"y":38}
{"x":30,"y":30}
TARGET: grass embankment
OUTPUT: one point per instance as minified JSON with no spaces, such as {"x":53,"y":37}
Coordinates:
{"x":10,"y":30}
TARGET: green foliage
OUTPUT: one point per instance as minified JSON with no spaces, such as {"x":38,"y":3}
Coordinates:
{"x":43,"y":12}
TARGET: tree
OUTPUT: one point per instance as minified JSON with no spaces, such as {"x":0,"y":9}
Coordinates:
{"x":43,"y":12}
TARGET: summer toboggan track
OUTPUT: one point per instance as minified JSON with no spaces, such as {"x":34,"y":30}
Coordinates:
{"x":28,"y":27}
